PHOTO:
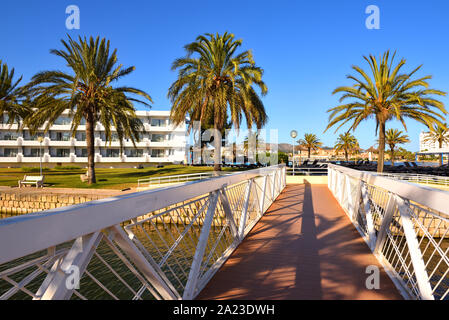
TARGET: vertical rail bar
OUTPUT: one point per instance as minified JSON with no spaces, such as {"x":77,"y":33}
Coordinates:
{"x":386,"y":221}
{"x":189,"y":291}
{"x":419,"y":267}
{"x":369,"y":218}
{"x":244,"y":215}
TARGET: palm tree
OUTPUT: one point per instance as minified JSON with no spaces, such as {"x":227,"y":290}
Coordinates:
{"x":310,"y":142}
{"x":393,"y":137}
{"x":252,"y":137}
{"x":88,"y":93}
{"x":348,"y":143}
{"x":440,"y":134}
{"x":12,"y":96}
{"x":387,"y":95}
{"x":217,"y":81}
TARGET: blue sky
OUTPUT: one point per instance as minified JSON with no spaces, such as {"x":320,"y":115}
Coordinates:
{"x":305,"y":47}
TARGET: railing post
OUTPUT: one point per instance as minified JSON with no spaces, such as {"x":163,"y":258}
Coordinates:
{"x":264,"y":188}
{"x":273,"y":186}
{"x":285,"y":176}
{"x":386,"y":221}
{"x":244,"y":215}
{"x":349,"y":198}
{"x":369,"y":218}
{"x":228,"y":212}
{"x":54,"y":286}
{"x":152,"y":273}
{"x":189,"y":291}
{"x":419,"y":267}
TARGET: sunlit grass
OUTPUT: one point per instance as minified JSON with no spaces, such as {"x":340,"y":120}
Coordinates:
{"x":106,"y":178}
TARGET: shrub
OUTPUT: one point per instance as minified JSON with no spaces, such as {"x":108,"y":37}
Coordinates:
{"x":34,"y":169}
{"x":67,"y":168}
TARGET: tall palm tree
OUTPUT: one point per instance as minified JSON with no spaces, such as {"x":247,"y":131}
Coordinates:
{"x":388,"y":94}
{"x":88,"y":93}
{"x":310,"y":142}
{"x":393,"y":137}
{"x":440,"y":134}
{"x":213,"y":79}
{"x":12,"y":97}
{"x":348,"y":143}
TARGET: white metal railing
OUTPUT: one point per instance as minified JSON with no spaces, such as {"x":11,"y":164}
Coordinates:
{"x":418,"y":178}
{"x":301,"y":171}
{"x":165,"y":243}
{"x":148,"y":182}
{"x":405,"y":225}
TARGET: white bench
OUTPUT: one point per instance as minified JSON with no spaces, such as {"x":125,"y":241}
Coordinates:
{"x":32,"y":180}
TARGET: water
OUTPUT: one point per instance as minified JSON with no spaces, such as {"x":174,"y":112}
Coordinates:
{"x":180,"y":261}
{"x":400,"y":163}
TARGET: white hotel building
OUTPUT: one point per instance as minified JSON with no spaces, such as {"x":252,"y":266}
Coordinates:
{"x":161,"y":143}
{"x":427,"y":146}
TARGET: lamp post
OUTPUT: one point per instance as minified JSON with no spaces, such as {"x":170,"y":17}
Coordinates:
{"x":293,"y":134}
{"x":40,"y":139}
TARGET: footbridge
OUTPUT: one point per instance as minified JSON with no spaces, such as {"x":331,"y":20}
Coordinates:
{"x":248,"y":235}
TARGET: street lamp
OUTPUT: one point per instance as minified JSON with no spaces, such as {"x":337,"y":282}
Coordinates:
{"x":293,"y":134}
{"x":40,"y":139}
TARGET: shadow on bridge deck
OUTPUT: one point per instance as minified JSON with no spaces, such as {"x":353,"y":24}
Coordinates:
{"x":305,"y":247}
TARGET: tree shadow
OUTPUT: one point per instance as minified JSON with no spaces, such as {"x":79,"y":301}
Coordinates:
{"x":303,"y":248}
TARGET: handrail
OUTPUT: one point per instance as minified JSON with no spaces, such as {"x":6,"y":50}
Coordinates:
{"x":418,"y":178}
{"x":307,"y":171}
{"x":175,"y":178}
{"x":406,"y":225}
{"x":172,"y":240}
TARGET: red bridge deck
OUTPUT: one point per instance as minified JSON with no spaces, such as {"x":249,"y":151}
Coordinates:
{"x":305,"y":247}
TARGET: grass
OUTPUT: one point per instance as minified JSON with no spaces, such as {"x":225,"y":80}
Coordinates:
{"x":106,"y":178}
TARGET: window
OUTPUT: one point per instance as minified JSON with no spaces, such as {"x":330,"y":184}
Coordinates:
{"x":29,"y":137}
{"x":158,"y":153}
{"x":81,"y":152}
{"x":63,"y":121}
{"x":62,"y":136}
{"x":4,"y":119}
{"x":134,"y":153}
{"x":112,"y":153}
{"x":10,"y":136}
{"x":62,"y":153}
{"x":10,"y":152}
{"x":81,"y":136}
{"x":171,"y":152}
{"x":34,"y":152}
{"x":158,"y":137}
{"x":158,"y":122}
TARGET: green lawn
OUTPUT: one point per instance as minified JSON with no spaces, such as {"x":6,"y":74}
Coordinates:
{"x":106,"y":178}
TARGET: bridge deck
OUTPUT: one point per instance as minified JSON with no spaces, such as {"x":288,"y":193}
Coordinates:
{"x":305,"y":247}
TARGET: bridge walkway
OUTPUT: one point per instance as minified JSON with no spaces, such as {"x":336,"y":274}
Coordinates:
{"x":305,"y":247}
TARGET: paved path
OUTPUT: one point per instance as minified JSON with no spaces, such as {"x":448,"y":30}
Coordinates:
{"x":305,"y":247}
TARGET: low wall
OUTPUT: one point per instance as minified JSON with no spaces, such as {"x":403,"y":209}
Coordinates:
{"x":309,"y":179}
{"x":28,"y":200}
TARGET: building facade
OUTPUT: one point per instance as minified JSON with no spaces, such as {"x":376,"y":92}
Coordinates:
{"x":430,"y":146}
{"x":160,"y":143}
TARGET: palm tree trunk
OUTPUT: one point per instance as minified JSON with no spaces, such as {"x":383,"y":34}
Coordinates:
{"x":392,"y":156}
{"x":308,"y":153}
{"x":90,"y":141}
{"x":440,"y":144}
{"x":217,"y":151}
{"x":346,"y":155}
{"x":380,"y":159}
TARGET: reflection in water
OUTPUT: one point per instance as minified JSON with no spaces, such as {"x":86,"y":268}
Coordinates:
{"x":108,"y":277}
